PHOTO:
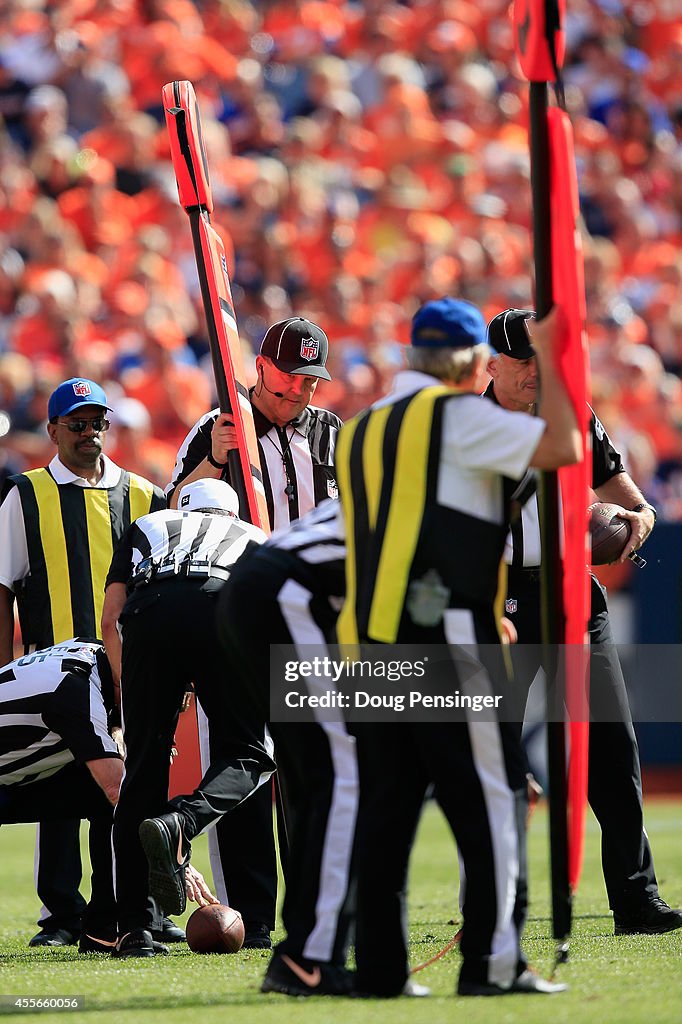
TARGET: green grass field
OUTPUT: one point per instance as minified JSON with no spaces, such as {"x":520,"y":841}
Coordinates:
{"x":613,"y":980}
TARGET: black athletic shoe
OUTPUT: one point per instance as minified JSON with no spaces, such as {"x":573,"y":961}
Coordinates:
{"x":411,"y":988}
{"x":168,"y":932}
{"x":291,"y":978}
{"x":57,"y":937}
{"x":89,"y":944}
{"x":653,"y":918}
{"x":168,"y":855}
{"x":256,"y":936}
{"x":528,"y":982}
{"x":139,"y":943}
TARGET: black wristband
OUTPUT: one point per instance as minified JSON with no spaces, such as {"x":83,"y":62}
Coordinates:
{"x":645,"y":504}
{"x":216,"y":465}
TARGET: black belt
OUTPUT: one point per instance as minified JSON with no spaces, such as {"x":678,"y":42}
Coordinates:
{"x":173,"y":572}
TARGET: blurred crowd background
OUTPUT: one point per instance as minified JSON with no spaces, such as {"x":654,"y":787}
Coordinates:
{"x":364,"y":158}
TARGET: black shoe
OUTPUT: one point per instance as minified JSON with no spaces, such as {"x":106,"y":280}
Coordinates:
{"x":139,"y":943}
{"x":654,"y":917}
{"x":168,"y":932}
{"x":527,"y":981}
{"x":256,"y":936}
{"x":58,"y":937}
{"x":168,"y":855}
{"x":290,"y":978}
{"x":89,"y":944}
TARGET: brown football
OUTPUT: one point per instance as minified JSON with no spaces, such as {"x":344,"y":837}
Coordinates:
{"x":608,"y":532}
{"x":215,"y":929}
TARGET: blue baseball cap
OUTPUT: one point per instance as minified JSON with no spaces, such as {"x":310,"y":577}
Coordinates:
{"x":72,"y":394}
{"x":448,"y":323}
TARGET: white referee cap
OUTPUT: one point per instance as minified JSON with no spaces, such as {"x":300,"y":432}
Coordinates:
{"x":208,"y":493}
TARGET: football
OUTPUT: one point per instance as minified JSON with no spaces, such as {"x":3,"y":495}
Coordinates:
{"x":215,"y":929}
{"x":608,"y":532}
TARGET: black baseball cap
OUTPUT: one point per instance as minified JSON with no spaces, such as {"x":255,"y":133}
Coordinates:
{"x":297,"y":346}
{"x":508,"y":335}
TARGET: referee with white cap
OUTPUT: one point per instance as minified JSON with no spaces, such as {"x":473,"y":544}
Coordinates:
{"x":161,"y":588}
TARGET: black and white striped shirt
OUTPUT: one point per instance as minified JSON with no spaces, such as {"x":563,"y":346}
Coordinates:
{"x":52,"y":712}
{"x":174,"y":540}
{"x":318,"y":543}
{"x":300,"y":455}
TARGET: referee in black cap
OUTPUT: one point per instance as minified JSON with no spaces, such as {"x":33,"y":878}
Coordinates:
{"x":296,"y":441}
{"x":615,"y":780}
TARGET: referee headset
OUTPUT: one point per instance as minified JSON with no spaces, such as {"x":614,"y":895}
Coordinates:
{"x":277,"y":394}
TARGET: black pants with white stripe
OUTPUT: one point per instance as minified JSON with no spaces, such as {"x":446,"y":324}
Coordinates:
{"x":74,"y":788}
{"x":614,"y":774}
{"x":478,"y":772}
{"x":169,"y":639}
{"x":242,"y":848}
{"x":262,"y":604}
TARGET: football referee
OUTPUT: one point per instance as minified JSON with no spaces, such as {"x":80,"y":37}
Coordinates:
{"x":296,"y":442}
{"x":287,"y":592}
{"x":161,"y":589}
{"x":615,"y":778}
{"x":57,"y":757}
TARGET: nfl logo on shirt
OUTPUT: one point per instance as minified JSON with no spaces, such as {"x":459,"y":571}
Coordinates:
{"x":310,"y":349}
{"x":81,"y":389}
{"x":511,"y":605}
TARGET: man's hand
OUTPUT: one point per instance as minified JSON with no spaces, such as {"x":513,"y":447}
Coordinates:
{"x":197,"y":890}
{"x":223,"y":437}
{"x":641,"y":524}
{"x":508,"y":634}
{"x":117,"y":737}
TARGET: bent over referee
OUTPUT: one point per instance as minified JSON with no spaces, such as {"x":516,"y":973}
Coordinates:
{"x":161,"y":587}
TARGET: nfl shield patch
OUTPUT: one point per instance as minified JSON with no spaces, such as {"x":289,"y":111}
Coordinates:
{"x":310,"y":349}
{"x":511,"y":605}
{"x":81,"y":389}
{"x":332,"y":489}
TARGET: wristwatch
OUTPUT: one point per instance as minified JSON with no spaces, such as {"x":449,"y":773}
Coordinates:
{"x":223,"y":465}
{"x":645,"y":504}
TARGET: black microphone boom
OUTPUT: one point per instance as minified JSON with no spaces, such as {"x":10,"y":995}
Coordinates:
{"x":277,"y":394}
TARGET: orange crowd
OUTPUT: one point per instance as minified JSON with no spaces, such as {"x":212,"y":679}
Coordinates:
{"x":364,"y":158}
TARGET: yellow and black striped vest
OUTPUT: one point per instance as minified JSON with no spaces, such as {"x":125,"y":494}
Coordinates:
{"x":71,"y":533}
{"x":388,"y":462}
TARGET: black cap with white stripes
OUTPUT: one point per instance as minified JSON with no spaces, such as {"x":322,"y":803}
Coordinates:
{"x":297,"y":346}
{"x":508,"y":334}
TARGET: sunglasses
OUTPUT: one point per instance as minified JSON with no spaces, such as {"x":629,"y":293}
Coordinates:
{"x":98,"y":424}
